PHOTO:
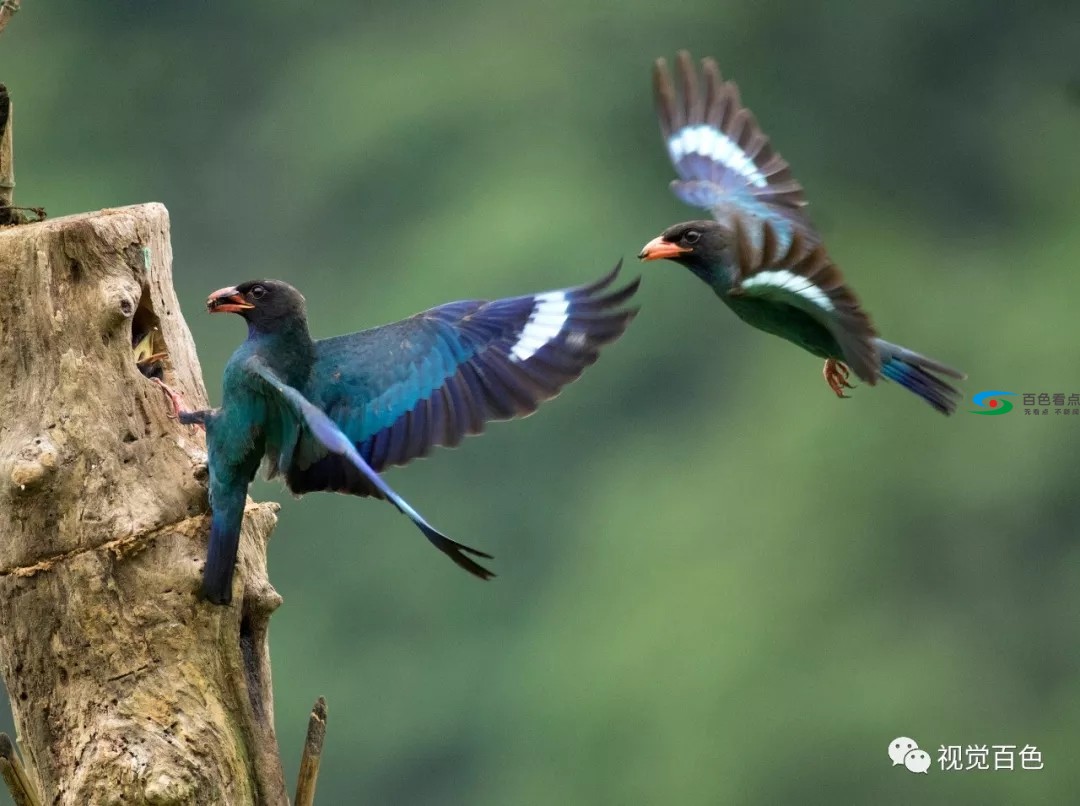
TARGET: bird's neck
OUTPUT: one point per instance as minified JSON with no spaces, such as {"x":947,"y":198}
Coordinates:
{"x":291,"y":329}
{"x":287,"y":348}
{"x":714,"y":276}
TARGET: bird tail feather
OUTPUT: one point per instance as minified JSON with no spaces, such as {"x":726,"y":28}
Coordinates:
{"x":224,"y":543}
{"x":920,"y":374}
{"x":458,"y":552}
{"x":327,"y":432}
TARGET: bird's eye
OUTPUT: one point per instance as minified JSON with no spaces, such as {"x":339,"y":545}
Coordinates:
{"x":258,"y":292}
{"x":693,"y":236}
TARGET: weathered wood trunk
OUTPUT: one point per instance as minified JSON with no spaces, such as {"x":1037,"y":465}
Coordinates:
{"x":125,"y":688}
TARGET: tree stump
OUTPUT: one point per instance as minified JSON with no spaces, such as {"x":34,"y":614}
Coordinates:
{"x":126,"y":689}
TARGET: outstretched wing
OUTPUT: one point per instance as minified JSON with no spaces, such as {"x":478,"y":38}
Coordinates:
{"x":399,"y":390}
{"x":799,"y":273}
{"x":724,"y":160}
{"x":329,"y":438}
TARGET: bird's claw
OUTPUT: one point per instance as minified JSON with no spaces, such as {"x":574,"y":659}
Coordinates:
{"x":172,"y":396}
{"x":176,"y":400}
{"x":836,"y":375}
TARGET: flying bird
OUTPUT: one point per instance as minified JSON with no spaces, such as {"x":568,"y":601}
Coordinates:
{"x":761,"y":254}
{"x":331,"y":414}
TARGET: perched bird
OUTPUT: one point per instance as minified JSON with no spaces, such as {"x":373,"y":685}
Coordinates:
{"x":762,"y":255}
{"x":330,"y":414}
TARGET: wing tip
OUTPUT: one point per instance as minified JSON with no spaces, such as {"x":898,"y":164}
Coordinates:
{"x":629,"y":290}
{"x":614,"y":298}
{"x":590,"y":289}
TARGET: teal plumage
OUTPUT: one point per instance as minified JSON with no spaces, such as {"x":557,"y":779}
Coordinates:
{"x":330,"y":414}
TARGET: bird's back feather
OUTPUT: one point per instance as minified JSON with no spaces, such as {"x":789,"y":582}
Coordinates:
{"x":797,"y":273}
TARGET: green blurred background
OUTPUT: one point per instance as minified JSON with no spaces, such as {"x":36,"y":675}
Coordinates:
{"x":717,"y":583}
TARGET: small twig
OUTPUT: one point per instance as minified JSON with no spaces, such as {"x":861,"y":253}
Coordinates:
{"x":7,"y":159}
{"x":7,"y":11}
{"x":9,"y":214}
{"x":19,"y":213}
{"x":309,"y":762}
{"x":14,"y":774}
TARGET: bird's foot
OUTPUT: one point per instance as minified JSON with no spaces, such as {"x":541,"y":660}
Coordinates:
{"x":836,"y":375}
{"x":176,"y":403}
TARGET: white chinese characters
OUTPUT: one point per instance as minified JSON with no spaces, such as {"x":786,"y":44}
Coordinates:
{"x":960,"y":758}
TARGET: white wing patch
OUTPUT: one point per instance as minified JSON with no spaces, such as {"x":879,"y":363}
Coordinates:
{"x":715,"y":145}
{"x":788,"y":281}
{"x":549,"y":315}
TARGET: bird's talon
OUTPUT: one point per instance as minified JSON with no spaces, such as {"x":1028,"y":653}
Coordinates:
{"x":174,"y":398}
{"x":836,"y":375}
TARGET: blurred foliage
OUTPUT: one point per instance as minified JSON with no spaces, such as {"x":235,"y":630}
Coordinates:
{"x":718,"y":584}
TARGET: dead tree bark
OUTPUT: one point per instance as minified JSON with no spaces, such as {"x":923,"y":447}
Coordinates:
{"x":7,"y":11}
{"x":125,"y":688}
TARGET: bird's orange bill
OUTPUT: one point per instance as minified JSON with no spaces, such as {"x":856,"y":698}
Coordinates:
{"x":227,"y":300}
{"x":659,"y":249}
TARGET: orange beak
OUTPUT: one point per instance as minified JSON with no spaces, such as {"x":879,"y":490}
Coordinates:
{"x":227,"y":300}
{"x":659,"y":249}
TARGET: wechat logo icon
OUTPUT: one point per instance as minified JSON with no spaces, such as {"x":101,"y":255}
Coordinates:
{"x":905,"y":751}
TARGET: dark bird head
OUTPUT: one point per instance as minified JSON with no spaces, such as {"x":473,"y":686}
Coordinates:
{"x":698,"y":245}
{"x":267,"y":305}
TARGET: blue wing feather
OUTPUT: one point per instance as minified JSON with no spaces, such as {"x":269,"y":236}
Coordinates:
{"x":398,"y":390}
{"x":326,"y":432}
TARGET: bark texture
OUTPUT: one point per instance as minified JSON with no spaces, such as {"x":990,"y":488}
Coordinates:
{"x":125,"y":688}
{"x":7,"y":11}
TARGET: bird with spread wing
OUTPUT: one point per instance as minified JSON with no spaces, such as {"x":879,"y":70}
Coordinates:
{"x":331,"y":414}
{"x":761,"y":254}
